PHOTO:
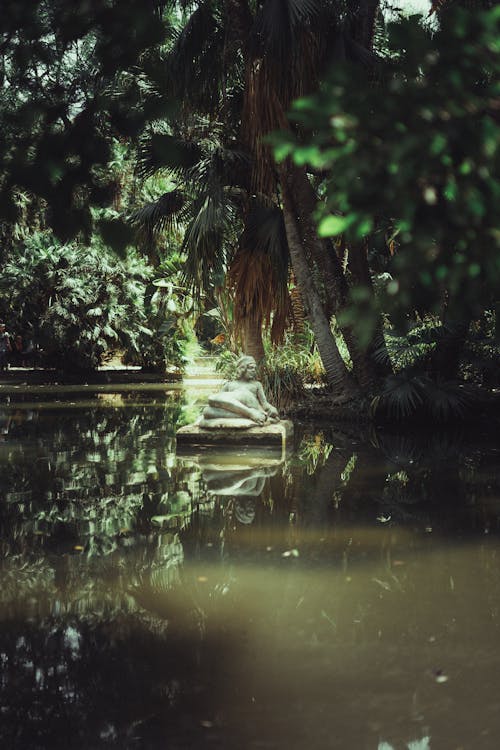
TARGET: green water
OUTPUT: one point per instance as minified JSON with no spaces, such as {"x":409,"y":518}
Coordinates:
{"x":343,"y":595}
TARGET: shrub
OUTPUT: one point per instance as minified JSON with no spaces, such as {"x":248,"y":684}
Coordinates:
{"x":76,"y":303}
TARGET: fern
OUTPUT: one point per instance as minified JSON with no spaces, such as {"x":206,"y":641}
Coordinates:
{"x":406,"y":395}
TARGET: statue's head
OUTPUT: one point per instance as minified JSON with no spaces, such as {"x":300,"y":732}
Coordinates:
{"x":244,"y":510}
{"x":243,"y":364}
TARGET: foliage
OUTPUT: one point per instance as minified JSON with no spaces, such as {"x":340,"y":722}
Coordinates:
{"x":226,"y":363}
{"x":480,"y":360}
{"x":313,"y":452}
{"x":417,"y":395}
{"x":202,"y":203}
{"x":236,"y":256}
{"x":414,"y":163}
{"x":235,"y":72}
{"x":282,"y":382}
{"x":410,"y":351}
{"x":413,"y":390}
{"x":76,"y":303}
{"x":70,"y":82}
{"x":219,"y":320}
{"x":207,"y":144}
{"x":170,"y":314}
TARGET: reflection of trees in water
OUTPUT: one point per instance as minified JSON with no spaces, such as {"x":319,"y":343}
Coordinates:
{"x":79,"y":492}
{"x":334,"y":482}
{"x":437,"y":480}
{"x":452,"y":481}
{"x":122,"y":618}
{"x":92,"y":481}
{"x":86,"y":478}
{"x":39,"y":585}
{"x":99,"y":681}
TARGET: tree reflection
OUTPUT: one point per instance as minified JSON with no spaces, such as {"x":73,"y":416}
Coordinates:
{"x":147,"y":599}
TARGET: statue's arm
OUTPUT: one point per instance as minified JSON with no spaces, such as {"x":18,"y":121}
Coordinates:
{"x":228,"y":403}
{"x":270,"y":410}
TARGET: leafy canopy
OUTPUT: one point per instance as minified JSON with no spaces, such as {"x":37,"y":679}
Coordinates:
{"x":413,"y":161}
{"x":72,"y":77}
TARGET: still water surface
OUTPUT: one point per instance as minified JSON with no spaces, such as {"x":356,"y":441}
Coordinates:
{"x":344,"y":595}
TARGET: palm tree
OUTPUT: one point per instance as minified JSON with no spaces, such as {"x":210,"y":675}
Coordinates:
{"x":301,"y":40}
{"x":235,"y":69}
{"x":230,"y":236}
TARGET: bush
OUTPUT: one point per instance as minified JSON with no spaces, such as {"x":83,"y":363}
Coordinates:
{"x":76,"y":303}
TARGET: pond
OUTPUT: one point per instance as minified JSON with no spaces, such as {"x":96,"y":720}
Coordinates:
{"x":345,"y":594}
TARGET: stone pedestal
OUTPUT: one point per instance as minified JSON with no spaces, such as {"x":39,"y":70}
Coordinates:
{"x":275,"y":434}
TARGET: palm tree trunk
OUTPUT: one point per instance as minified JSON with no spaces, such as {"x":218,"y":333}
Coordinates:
{"x":326,"y":480}
{"x":252,"y":338}
{"x":363,"y":27}
{"x":337,"y":374}
{"x":298,"y":313}
{"x":367,"y":371}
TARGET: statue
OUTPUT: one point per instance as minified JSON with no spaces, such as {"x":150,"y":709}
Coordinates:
{"x":241,"y":403}
{"x":225,"y":480}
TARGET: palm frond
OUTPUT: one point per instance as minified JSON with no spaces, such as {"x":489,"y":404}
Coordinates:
{"x":164,"y":151}
{"x":161,"y":214}
{"x":417,"y":347}
{"x":447,"y":401}
{"x":277,"y":24}
{"x":402,"y":395}
{"x":413,"y":349}
{"x":408,"y":396}
{"x":219,"y":167}
{"x":403,"y":353}
{"x":206,"y":240}
{"x":357,"y":53}
{"x":194,"y":36}
{"x":195,"y":61}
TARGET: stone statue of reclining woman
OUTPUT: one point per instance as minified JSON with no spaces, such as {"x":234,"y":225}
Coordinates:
{"x":241,"y":403}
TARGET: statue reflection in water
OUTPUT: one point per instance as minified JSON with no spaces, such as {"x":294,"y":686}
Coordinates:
{"x":222,"y":480}
{"x":241,"y":485}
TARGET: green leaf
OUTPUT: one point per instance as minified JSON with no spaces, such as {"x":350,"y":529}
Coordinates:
{"x":308,"y":155}
{"x":364,"y":227}
{"x":305,"y":102}
{"x":331,"y":226}
{"x":438,"y":144}
{"x":282,"y":151}
{"x":474,"y":270}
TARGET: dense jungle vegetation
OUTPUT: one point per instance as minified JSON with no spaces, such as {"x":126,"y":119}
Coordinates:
{"x":314,"y":182}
